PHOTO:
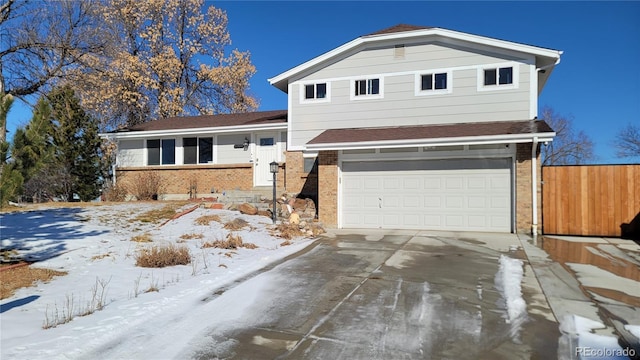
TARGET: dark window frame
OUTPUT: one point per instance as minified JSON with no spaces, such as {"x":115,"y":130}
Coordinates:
{"x":367,"y":87}
{"x":498,"y":76}
{"x":316,"y":91}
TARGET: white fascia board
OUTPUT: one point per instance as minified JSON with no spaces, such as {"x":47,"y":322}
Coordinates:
{"x":193,"y":131}
{"x":466,"y":140}
{"x":529,"y":49}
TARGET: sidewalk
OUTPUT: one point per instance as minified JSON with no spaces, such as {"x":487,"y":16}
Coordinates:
{"x":593,"y":288}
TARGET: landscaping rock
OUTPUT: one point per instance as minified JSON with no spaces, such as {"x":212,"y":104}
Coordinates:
{"x":294,"y":219}
{"x":248,"y":209}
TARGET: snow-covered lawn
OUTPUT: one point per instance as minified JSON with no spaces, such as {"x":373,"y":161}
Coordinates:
{"x":93,"y":244}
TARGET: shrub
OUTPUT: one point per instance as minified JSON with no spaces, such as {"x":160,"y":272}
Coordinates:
{"x":206,"y":219}
{"x":232,"y":242}
{"x":236,"y":224}
{"x":289,"y":231}
{"x":117,"y":192}
{"x":146,"y":185}
{"x":157,"y":257}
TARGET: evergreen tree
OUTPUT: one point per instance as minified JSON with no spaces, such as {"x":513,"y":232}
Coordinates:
{"x":10,"y":178}
{"x":76,"y":144}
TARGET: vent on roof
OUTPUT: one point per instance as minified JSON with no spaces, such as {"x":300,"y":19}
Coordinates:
{"x":398,"y":52}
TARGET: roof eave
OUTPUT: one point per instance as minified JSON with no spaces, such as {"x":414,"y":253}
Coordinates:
{"x":463,"y":140}
{"x":191,"y":131}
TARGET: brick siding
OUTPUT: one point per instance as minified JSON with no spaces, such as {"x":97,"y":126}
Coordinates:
{"x":328,"y":187}
{"x":524,"y":212}
{"x":207,"y":179}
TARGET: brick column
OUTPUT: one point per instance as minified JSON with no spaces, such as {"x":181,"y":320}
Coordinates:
{"x":328,"y":187}
{"x":524,"y":210}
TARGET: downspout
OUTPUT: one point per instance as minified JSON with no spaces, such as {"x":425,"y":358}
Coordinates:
{"x":534,"y":187}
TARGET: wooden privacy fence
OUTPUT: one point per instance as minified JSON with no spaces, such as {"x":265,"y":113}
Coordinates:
{"x":591,"y":200}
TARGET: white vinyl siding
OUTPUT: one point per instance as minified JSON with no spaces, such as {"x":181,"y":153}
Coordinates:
{"x":130,"y":153}
{"x":228,"y":153}
{"x":402,"y":105}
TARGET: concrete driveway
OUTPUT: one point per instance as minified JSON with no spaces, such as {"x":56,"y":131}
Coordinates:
{"x":384,"y":295}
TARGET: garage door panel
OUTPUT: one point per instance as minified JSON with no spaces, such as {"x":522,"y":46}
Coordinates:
{"x":432,"y":202}
{"x":461,"y":194}
{"x":476,"y":202}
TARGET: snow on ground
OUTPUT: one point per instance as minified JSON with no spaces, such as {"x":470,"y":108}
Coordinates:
{"x":580,"y":341}
{"x":94,"y":246}
{"x":508,"y":280}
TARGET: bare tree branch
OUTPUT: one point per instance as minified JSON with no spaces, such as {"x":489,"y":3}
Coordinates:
{"x":568,"y":147}
{"x":628,"y":141}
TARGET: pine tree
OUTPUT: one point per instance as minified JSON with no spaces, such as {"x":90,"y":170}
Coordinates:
{"x":10,"y":178}
{"x":76,"y":144}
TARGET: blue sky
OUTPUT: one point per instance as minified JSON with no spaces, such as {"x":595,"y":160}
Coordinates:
{"x":597,"y":81}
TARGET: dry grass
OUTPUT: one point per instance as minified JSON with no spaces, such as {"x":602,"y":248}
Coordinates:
{"x":24,"y":276}
{"x":289,"y":231}
{"x":232,"y":242}
{"x":206,"y":219}
{"x":157,"y":215}
{"x":143,"y":238}
{"x":236,"y":224}
{"x":191,"y":236}
{"x":100,"y":257}
{"x":158,"y":257}
{"x":285,"y":243}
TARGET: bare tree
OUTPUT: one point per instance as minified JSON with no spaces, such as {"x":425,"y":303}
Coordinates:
{"x":164,"y":58}
{"x":628,"y":141}
{"x":568,"y":147}
{"x":41,"y":42}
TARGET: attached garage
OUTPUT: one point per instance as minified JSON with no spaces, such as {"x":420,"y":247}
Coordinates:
{"x":444,"y":194}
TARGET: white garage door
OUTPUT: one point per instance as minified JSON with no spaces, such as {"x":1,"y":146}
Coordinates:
{"x":460,"y":194}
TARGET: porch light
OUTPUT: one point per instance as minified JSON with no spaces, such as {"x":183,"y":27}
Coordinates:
{"x":245,"y":144}
{"x":273,"y":167}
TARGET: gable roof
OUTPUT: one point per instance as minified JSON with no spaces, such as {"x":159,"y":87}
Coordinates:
{"x":399,"y":28}
{"x":212,"y":121}
{"x":545,"y":58}
{"x":421,"y":135}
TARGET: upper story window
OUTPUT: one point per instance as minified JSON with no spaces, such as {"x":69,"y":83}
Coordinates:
{"x":437,"y":82}
{"x":198,"y":150}
{"x":161,"y":152}
{"x":367,"y":88}
{"x":317,"y":92}
{"x":498,"y":77}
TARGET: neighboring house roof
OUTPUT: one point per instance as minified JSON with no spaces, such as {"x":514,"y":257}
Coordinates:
{"x":259,"y":120}
{"x":445,"y":134}
{"x":545,"y":58}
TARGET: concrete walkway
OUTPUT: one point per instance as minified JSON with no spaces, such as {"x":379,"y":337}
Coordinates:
{"x":594,"y":278}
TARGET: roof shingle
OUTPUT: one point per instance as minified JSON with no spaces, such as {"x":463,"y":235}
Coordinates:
{"x":206,"y":121}
{"x":354,"y":135}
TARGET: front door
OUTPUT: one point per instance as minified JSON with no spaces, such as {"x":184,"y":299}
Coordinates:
{"x":265,"y":153}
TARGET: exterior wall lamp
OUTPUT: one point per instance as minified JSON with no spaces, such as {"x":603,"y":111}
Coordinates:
{"x":273,"y":167}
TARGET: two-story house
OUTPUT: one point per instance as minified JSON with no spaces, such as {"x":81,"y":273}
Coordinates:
{"x":406,"y":128}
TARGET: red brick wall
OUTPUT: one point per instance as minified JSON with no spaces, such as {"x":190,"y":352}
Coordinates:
{"x":328,"y":187}
{"x":524,"y":212}
{"x":297,"y":180}
{"x":176,"y":180}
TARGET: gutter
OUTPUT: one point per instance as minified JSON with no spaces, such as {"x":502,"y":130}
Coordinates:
{"x":534,"y":187}
{"x":466,"y":140}
{"x":191,"y":131}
